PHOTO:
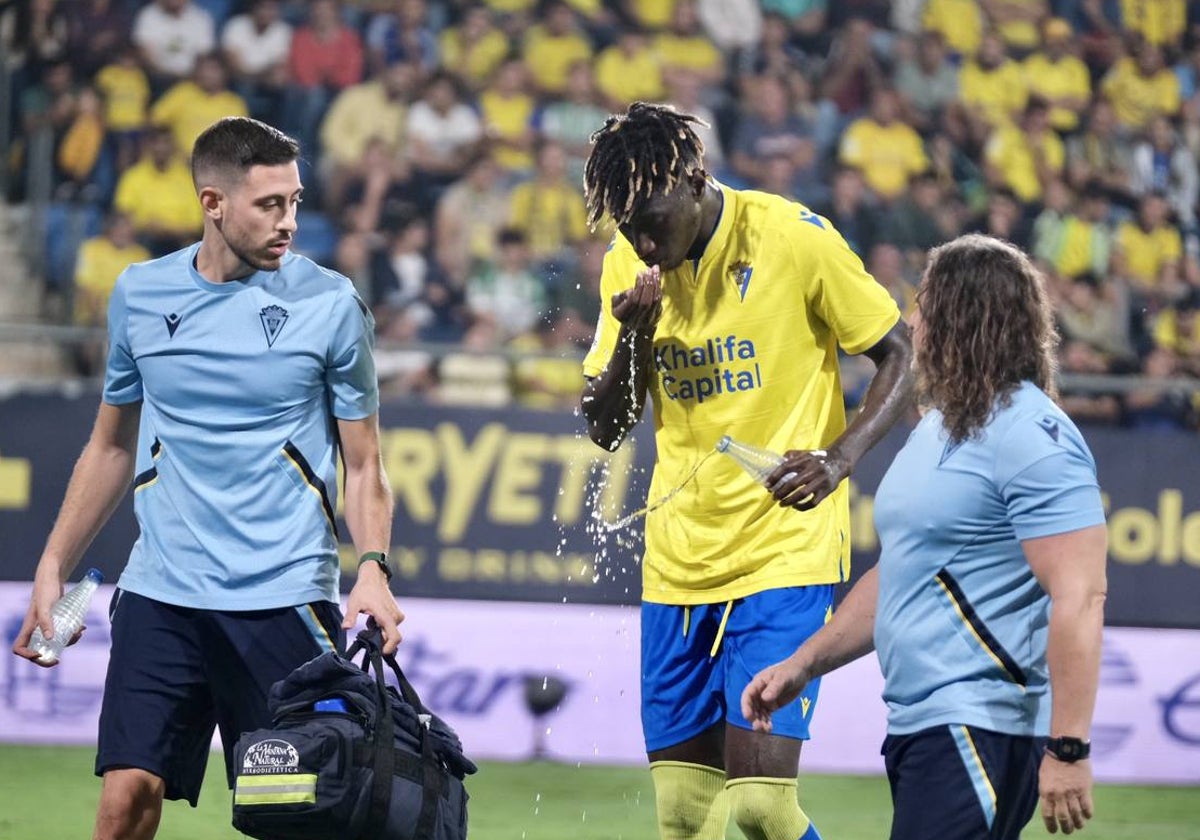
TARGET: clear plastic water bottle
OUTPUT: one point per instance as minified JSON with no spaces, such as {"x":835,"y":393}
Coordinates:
{"x":759,"y":463}
{"x":68,"y":613}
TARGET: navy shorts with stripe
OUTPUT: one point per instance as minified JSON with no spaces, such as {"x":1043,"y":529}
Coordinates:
{"x":688,"y":687}
{"x":959,"y":782}
{"x":177,"y":673}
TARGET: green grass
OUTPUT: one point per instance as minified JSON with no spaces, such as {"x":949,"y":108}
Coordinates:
{"x":49,"y":793}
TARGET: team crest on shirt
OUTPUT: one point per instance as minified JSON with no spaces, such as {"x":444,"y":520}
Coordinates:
{"x":273,"y":318}
{"x":740,"y":273}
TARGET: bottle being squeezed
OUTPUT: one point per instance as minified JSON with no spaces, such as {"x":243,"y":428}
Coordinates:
{"x":759,"y":463}
{"x":68,"y":613}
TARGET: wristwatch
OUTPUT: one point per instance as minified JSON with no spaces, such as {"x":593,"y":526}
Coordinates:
{"x":377,"y":557}
{"x":1068,"y":749}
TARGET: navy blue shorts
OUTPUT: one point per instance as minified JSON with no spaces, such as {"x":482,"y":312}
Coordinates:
{"x":962,"y":783}
{"x":176,"y":673}
{"x":696,"y":661}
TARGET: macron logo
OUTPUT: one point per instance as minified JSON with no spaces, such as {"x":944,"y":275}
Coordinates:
{"x":173,"y":322}
{"x":1050,"y":426}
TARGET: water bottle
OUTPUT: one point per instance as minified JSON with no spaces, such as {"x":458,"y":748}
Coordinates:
{"x":759,"y":463}
{"x":68,"y":613}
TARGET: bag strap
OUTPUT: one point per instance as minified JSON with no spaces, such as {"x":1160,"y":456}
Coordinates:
{"x":383,"y":759}
{"x":431,"y":786}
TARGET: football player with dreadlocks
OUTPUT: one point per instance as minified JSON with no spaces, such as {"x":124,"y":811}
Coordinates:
{"x":727,"y":308}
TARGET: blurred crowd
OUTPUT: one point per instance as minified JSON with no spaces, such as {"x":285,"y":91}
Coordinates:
{"x":444,"y":147}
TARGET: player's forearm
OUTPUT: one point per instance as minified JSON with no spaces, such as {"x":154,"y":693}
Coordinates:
{"x":888,"y":396}
{"x":850,"y":634}
{"x":1073,"y":654}
{"x":613,"y":401}
{"x":98,"y":483}
{"x":369,"y":507}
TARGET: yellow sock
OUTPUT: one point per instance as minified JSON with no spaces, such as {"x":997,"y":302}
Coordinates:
{"x":690,"y":801}
{"x":766,"y":809}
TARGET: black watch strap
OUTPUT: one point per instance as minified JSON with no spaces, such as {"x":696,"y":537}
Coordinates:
{"x":1068,"y":749}
{"x":377,"y":557}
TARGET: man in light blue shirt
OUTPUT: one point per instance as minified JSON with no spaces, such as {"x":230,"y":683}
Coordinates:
{"x":236,"y":373}
{"x":986,"y":607}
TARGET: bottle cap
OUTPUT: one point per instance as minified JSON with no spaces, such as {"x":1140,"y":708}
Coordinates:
{"x":723,"y":443}
{"x":95,"y":575}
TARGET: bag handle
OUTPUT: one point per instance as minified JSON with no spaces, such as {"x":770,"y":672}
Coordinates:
{"x":371,"y":640}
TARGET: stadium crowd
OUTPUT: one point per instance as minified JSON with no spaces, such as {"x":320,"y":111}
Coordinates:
{"x":445,"y":143}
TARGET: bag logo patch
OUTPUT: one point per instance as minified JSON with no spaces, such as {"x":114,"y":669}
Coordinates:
{"x":271,"y":756}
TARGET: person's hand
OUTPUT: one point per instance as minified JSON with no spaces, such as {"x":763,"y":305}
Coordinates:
{"x":46,"y":590}
{"x":771,"y":689}
{"x":806,"y":477}
{"x":371,"y":595}
{"x":640,"y":308}
{"x":1066,"y":791}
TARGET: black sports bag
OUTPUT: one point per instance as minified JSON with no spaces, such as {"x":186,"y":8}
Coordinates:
{"x":350,"y":757}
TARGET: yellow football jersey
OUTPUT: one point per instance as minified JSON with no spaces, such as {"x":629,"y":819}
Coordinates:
{"x":747,"y":347}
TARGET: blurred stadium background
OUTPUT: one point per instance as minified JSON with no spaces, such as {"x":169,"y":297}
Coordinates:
{"x":444,"y":144}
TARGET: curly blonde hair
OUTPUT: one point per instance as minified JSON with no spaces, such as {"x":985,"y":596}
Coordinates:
{"x":987,"y":326}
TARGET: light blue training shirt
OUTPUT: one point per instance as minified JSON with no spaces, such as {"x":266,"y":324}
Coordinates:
{"x":241,"y":384}
{"x":962,"y":623}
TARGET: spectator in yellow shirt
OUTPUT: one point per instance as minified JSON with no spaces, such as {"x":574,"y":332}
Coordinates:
{"x":548,"y":209}
{"x":474,"y":48}
{"x":1177,"y":329}
{"x":1082,"y":242}
{"x":651,"y":15}
{"x":81,"y":144}
{"x":886,"y":151}
{"x":1141,"y":88}
{"x":1027,"y":157}
{"x":1158,"y":22}
{"x":685,"y":47}
{"x":1059,"y":77}
{"x":960,"y":23}
{"x":991,"y":89}
{"x":99,"y":261}
{"x":1017,"y":22}
{"x":629,"y":71}
{"x":126,"y":93}
{"x":191,"y":106}
{"x":507,"y":108}
{"x":553,"y":47}
{"x":376,"y":109}
{"x":158,"y":196}
{"x":97,"y":265}
{"x":1149,"y":250}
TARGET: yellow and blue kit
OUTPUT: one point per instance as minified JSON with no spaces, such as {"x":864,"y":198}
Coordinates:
{"x":747,"y":346}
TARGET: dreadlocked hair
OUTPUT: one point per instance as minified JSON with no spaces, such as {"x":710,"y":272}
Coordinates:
{"x":646,"y":150}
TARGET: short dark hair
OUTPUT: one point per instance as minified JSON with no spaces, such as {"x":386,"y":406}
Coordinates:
{"x":636,"y":155}
{"x":230,"y":146}
{"x":988,"y":326}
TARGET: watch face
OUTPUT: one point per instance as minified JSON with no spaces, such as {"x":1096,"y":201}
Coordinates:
{"x":1069,"y":749}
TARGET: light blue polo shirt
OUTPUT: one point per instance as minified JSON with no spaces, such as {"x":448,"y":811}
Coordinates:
{"x":241,"y":384}
{"x":962,"y":622}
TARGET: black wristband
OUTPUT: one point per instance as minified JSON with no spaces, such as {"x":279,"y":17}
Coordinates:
{"x":377,"y":557}
{"x":1068,"y":749}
